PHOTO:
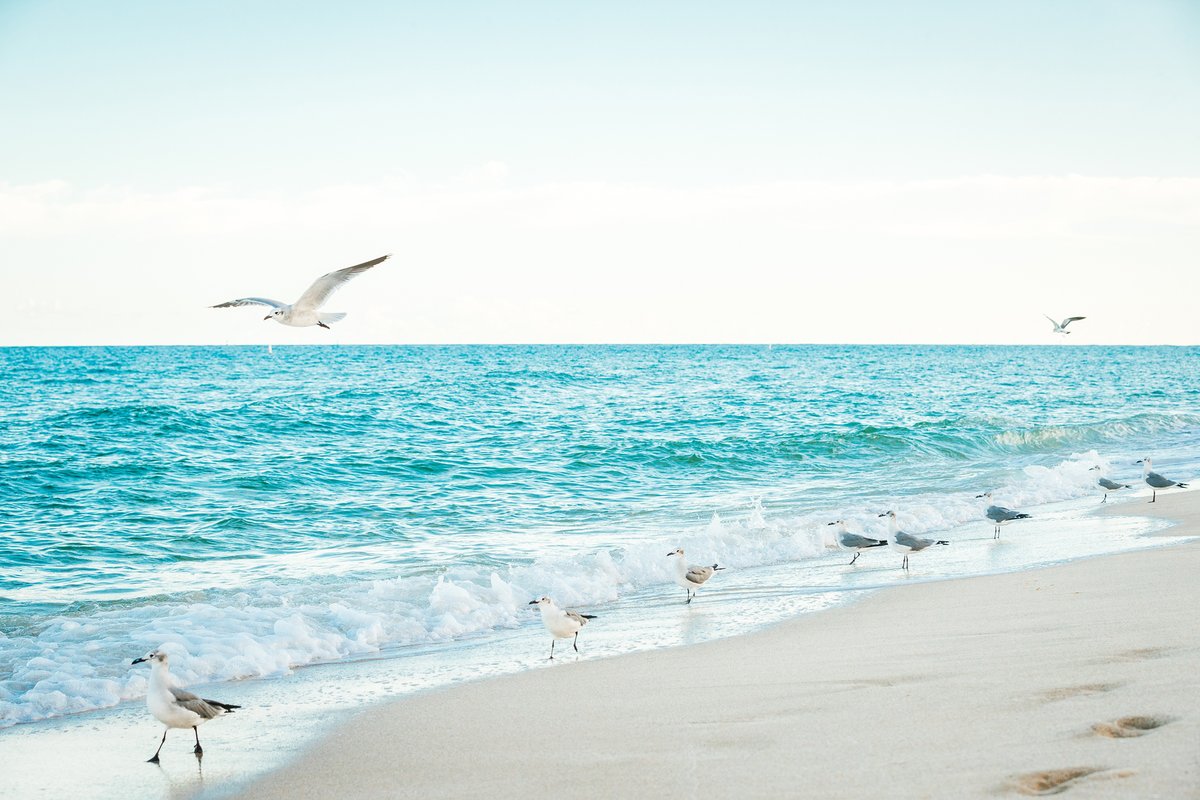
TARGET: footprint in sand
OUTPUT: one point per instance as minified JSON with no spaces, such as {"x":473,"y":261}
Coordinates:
{"x":1128,"y":727}
{"x":1055,"y":781}
{"x":1078,"y":691}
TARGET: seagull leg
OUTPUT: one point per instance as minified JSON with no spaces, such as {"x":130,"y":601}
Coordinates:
{"x":552,"y":649}
{"x":154,"y":758}
{"x":1153,"y":495}
{"x":856,"y":555}
{"x":1105,"y":500}
{"x":198,"y":750}
{"x":689,"y":594}
{"x":323,"y":325}
{"x":905,"y":564}
{"x":576,"y":643}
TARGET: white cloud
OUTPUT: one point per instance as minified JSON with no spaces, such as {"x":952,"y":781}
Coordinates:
{"x":482,"y":258}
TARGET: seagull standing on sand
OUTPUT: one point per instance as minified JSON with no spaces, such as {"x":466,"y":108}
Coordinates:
{"x":304,"y":312}
{"x":1109,"y":485}
{"x":906,"y":543}
{"x":852,"y":541}
{"x":561,"y":623}
{"x":1000,"y":515}
{"x":691,"y":577}
{"x":174,"y":707}
{"x":1156,"y":481}
{"x":1061,"y":327}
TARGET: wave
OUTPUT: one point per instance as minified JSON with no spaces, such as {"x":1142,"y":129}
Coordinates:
{"x":78,"y":661}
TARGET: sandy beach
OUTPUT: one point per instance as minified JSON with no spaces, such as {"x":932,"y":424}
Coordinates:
{"x":1078,"y":678}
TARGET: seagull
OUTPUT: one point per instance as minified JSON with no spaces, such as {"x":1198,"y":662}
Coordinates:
{"x":561,"y":623}
{"x":1109,"y":486}
{"x":852,"y":541}
{"x":1061,"y":327}
{"x":999,"y":514}
{"x":174,"y":707}
{"x":691,"y":577}
{"x":905,"y":543}
{"x":303,"y":313}
{"x":1156,"y":481}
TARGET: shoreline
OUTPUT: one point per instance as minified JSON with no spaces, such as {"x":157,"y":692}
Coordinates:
{"x":998,"y":683}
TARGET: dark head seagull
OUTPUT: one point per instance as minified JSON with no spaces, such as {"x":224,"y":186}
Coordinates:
{"x":691,"y":577}
{"x":562,"y":623}
{"x":305,"y":312}
{"x":174,"y":707}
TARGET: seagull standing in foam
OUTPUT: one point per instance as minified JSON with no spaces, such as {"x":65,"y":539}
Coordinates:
{"x":174,"y":707}
{"x":852,"y":541}
{"x":1061,"y":327}
{"x":305,"y":312}
{"x":1109,"y":485}
{"x":1000,"y":515}
{"x":906,"y":543}
{"x":691,"y":577}
{"x":561,"y":623}
{"x":1156,"y":481}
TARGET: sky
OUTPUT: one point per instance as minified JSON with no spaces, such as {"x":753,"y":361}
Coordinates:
{"x":865,"y":171}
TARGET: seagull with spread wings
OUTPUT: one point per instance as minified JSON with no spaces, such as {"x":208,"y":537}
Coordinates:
{"x":1061,"y":327}
{"x":305,"y":312}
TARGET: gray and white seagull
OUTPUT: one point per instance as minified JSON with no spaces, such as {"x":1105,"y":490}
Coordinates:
{"x":174,"y":707}
{"x":1061,"y":327}
{"x":690,"y":576}
{"x":906,"y":543}
{"x":852,"y":541}
{"x":1109,"y":485}
{"x":1156,"y":481}
{"x":305,"y":312}
{"x":1000,"y":515}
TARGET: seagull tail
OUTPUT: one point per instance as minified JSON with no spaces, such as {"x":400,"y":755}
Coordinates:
{"x":588,"y":616}
{"x":336,"y":316}
{"x":1181,"y":485}
{"x":941,"y":541}
{"x":878,"y":543}
{"x":716,"y":568}
{"x":1023,"y":516}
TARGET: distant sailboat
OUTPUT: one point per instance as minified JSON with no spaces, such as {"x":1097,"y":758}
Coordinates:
{"x":270,"y":350}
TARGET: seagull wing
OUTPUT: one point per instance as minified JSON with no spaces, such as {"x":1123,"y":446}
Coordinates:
{"x":1053,"y":322}
{"x":1069,"y":320}
{"x":699,"y":575}
{"x":580,"y":618}
{"x":315,"y":296}
{"x":251,"y":301}
{"x":196,"y":704}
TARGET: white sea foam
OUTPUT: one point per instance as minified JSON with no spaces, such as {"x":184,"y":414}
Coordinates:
{"x":74,"y":664}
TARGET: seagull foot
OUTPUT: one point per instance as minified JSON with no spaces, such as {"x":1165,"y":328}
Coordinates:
{"x":198,"y":750}
{"x":152,"y":759}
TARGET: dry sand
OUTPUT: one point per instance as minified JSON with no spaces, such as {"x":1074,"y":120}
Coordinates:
{"x":1081,"y":679}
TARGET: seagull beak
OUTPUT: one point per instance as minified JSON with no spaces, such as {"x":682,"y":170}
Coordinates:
{"x":834,"y":523}
{"x":137,"y":661}
{"x":670,"y":554}
{"x":533,"y":602}
{"x":267,"y":317}
{"x":978,"y":496}
{"x":1139,"y":461}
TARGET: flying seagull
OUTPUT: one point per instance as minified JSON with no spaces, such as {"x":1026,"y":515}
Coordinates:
{"x":1000,"y":515}
{"x":304,"y":312}
{"x":174,"y":707}
{"x":1156,"y":481}
{"x":1061,"y":327}
{"x":852,"y":541}
{"x":561,"y":623}
{"x":906,"y":543}
{"x":691,"y":577}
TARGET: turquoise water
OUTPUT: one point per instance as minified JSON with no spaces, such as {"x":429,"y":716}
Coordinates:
{"x":264,"y":511}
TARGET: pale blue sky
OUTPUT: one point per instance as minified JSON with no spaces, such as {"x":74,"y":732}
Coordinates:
{"x":125,"y":105}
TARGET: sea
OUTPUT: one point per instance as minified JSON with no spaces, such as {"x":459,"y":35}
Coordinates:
{"x":308,"y":530}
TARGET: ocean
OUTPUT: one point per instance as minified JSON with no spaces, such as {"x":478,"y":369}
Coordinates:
{"x":261,"y":512}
